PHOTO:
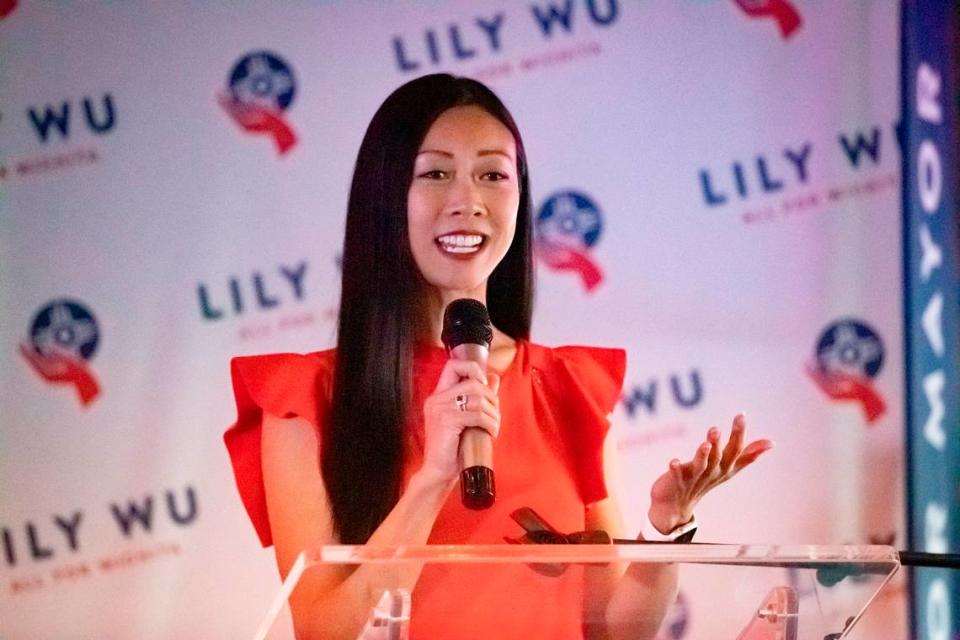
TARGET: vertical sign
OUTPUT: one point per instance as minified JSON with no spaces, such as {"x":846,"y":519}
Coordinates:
{"x":931,"y":323}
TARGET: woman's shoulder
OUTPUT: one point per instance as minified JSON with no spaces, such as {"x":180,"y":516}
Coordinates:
{"x":577,"y":388}
{"x":284,"y":385}
{"x":277,"y":363}
{"x":577,"y":374}
{"x":587,"y":360}
{"x":272,"y":373}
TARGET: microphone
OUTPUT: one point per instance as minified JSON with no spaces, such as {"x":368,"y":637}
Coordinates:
{"x":467,"y":335}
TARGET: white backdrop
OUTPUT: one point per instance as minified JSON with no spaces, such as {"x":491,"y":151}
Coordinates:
{"x":735,"y":221}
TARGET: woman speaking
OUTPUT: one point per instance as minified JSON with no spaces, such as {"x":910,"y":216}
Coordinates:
{"x":360,"y":444}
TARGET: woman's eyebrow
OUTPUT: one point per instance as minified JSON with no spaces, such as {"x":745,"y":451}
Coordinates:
{"x":437,"y":151}
{"x":487,"y":152}
{"x":482,"y":152}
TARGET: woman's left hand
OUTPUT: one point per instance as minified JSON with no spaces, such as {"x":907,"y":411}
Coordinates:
{"x":678,"y":490}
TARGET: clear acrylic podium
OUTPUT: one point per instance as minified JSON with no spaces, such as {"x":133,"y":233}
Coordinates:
{"x":740,"y":592}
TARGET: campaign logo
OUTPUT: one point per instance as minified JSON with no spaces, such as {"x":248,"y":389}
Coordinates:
{"x":266,"y":289}
{"x":568,"y":226}
{"x":782,"y":11}
{"x":266,"y":302}
{"x":849,"y":356}
{"x":783,"y":184}
{"x":482,"y":38}
{"x":7,"y":7}
{"x":685,"y":392}
{"x":69,"y":546}
{"x":63,"y":338}
{"x":58,"y":121}
{"x":261,"y":89}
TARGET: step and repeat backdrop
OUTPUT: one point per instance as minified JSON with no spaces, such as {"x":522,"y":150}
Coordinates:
{"x":723,"y":175}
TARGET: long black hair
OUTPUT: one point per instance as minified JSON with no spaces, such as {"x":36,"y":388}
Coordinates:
{"x":363,"y":444}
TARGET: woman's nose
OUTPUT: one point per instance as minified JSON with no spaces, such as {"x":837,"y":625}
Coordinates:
{"x":464,"y":199}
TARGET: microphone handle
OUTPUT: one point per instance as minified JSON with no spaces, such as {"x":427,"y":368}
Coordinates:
{"x":477,"y":487}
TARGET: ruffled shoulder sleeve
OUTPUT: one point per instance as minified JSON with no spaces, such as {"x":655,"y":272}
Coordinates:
{"x":581,"y":387}
{"x":282,"y":385}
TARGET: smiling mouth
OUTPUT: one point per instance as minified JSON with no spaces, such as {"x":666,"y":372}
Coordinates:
{"x":460,"y":242}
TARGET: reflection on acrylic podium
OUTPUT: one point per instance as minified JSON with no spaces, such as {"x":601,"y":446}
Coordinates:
{"x":756,"y":592}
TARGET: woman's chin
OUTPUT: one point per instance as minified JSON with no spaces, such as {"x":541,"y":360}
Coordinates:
{"x":449,"y":290}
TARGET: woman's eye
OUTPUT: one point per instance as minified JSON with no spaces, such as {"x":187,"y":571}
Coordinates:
{"x":495,"y":176}
{"x":434,"y":174}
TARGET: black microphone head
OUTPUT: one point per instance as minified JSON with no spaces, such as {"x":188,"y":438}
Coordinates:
{"x":466,"y":321}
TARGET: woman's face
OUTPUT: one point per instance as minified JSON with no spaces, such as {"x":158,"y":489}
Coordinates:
{"x":463,"y":201}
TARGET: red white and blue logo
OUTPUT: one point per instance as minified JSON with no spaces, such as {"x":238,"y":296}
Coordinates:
{"x":568,"y":226}
{"x":781,"y":11}
{"x":63,"y":338}
{"x":261,"y":89}
{"x":849,"y":356}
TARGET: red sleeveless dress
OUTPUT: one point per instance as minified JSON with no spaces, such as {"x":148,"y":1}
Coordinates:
{"x":554,"y":404}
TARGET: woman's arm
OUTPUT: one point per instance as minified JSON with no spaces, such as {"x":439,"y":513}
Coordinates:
{"x":335,"y":601}
{"x":633,"y":600}
{"x":623,"y":600}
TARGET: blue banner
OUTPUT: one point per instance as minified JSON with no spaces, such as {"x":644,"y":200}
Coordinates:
{"x":931,"y":307}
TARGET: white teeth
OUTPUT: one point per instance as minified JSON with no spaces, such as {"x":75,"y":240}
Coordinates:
{"x":460,"y":243}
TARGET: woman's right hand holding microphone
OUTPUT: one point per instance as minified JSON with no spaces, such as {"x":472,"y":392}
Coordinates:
{"x":465,"y":396}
